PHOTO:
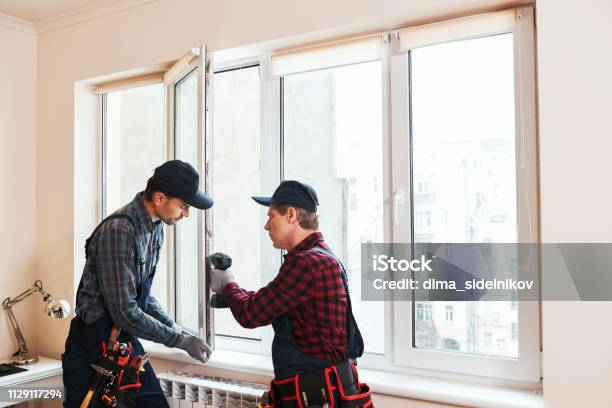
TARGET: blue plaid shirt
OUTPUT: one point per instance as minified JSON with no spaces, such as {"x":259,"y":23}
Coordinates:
{"x":111,"y":278}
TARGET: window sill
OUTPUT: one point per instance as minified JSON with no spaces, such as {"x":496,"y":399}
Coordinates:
{"x":223,"y":359}
{"x":381,"y":382}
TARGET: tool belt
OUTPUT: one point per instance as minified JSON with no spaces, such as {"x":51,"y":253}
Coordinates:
{"x":319,"y":388}
{"x":116,"y":378}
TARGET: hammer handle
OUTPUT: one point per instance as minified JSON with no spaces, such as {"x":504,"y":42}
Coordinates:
{"x":87,"y":399}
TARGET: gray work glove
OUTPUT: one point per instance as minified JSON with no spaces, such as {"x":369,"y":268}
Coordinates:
{"x":219,"y":279}
{"x":177,"y":327}
{"x":195,"y":347}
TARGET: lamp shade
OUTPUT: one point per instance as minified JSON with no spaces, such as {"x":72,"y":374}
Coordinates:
{"x":57,"y":308}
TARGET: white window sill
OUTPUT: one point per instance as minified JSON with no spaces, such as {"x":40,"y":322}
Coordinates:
{"x":223,"y":359}
{"x":381,"y":382}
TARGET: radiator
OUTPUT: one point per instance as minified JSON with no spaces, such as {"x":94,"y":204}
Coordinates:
{"x":185,"y":390}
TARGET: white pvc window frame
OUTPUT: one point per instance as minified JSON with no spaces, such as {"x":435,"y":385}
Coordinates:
{"x":200,"y":61}
{"x":270,"y":165}
{"x":526,"y":369}
{"x":399,"y":355}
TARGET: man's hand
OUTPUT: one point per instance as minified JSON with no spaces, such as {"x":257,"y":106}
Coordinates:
{"x":195,"y":347}
{"x":219,"y":278}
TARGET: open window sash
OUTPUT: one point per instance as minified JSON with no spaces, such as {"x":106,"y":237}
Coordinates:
{"x":188,"y":84}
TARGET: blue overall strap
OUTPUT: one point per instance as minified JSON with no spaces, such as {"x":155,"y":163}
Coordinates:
{"x":137,"y":253}
{"x":114,"y":217}
{"x":355,"y":340}
{"x":342,"y":269}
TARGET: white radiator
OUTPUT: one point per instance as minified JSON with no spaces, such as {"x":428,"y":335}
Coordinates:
{"x":192,"y":391}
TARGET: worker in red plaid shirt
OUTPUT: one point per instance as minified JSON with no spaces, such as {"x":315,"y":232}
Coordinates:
{"x":316,"y":338}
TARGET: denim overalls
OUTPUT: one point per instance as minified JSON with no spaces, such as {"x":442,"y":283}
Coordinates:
{"x":77,"y":357}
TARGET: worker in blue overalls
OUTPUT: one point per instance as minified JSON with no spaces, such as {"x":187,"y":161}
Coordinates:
{"x":115,"y":287}
{"x":316,"y":338}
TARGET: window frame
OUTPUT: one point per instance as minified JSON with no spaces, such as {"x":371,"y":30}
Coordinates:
{"x":271,"y":259}
{"x":197,"y":59}
{"x":200,"y":60}
{"x":397,"y":191}
{"x":449,"y":313}
{"x":398,"y":198}
{"x":103,"y":100}
{"x":526,"y":369}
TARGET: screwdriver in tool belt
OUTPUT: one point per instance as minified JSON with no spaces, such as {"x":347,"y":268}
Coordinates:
{"x":140,"y":361}
{"x":112,"y":346}
{"x":146,"y":358}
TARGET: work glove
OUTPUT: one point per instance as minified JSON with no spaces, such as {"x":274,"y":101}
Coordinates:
{"x":179,"y":328}
{"x":195,"y":347}
{"x":220,"y":278}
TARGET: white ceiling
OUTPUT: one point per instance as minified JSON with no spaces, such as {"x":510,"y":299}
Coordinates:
{"x":35,"y":11}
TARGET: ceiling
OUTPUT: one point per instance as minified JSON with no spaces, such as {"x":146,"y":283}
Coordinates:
{"x":35,"y":11}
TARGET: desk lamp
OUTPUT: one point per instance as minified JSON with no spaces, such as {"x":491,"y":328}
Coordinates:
{"x":53,"y":308}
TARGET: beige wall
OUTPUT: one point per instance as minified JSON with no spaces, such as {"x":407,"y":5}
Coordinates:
{"x":18,"y":180}
{"x":575,"y":85}
{"x":574,"y":74}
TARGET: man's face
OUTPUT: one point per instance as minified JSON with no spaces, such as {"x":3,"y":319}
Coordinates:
{"x":279,"y":228}
{"x":171,"y":210}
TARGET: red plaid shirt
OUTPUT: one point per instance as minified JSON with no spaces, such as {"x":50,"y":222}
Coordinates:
{"x":309,"y":289}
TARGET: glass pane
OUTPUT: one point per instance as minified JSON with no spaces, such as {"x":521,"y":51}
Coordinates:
{"x":186,"y":137}
{"x":333,"y":141}
{"x":464,"y":179}
{"x":236,"y":155}
{"x":134,"y":148}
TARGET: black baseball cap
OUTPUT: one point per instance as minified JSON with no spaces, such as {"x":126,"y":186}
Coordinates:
{"x":179,"y":179}
{"x":292,"y":192}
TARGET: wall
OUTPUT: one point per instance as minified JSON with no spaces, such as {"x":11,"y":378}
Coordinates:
{"x":575,"y":88}
{"x":18,"y":180}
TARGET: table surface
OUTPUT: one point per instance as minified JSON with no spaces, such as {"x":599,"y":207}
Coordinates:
{"x":46,"y":367}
